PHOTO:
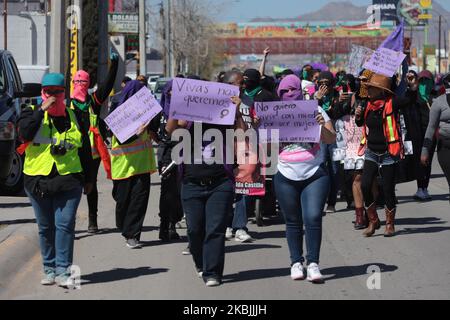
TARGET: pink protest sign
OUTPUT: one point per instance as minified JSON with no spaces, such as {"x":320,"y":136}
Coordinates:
{"x":385,"y":61}
{"x":202,"y":101}
{"x":139,"y":110}
{"x":295,"y":121}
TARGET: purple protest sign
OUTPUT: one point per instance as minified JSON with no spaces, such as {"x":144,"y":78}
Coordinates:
{"x":202,"y":101}
{"x":137,"y":111}
{"x":295,"y":120}
{"x":385,"y":61}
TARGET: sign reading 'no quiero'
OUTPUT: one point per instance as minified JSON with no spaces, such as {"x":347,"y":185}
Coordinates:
{"x":295,"y":120}
{"x":202,"y":101}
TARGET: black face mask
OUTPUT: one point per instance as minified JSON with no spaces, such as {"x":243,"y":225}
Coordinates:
{"x":251,"y":84}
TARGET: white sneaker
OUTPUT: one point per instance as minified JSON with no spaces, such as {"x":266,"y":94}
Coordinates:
{"x":297,"y":272}
{"x":420,"y":195}
{"x":213,"y":282}
{"x":314,"y":274}
{"x":426,"y":195}
{"x":66,"y":281}
{"x":242,"y":236}
{"x":229,"y":234}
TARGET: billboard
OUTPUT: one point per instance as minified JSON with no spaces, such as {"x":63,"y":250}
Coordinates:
{"x":299,"y":30}
{"x":415,"y":12}
{"x":123,"y":23}
{"x":388,"y":9}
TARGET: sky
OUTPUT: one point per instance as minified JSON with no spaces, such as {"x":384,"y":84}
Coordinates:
{"x":245,"y":10}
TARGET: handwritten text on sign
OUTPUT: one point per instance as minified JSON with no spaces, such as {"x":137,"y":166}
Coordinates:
{"x":139,"y":110}
{"x":295,"y":120}
{"x":385,"y":61}
{"x":359,"y":56}
{"x":201,"y":101}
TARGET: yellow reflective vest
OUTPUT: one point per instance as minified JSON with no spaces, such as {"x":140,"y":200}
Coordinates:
{"x":132,"y":159}
{"x":39,"y":160}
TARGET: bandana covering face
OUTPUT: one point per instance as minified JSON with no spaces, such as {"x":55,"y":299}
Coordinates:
{"x":58,"y":109}
{"x":81,"y":82}
{"x":290,"y":89}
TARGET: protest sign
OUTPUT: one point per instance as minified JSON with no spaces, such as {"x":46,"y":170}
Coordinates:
{"x":139,"y":110}
{"x":295,"y":120}
{"x":385,"y":61}
{"x":348,"y":139}
{"x":358,"y":58}
{"x":202,"y":101}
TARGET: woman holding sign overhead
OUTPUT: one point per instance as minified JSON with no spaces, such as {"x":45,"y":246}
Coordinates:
{"x":207,"y":181}
{"x":302,"y":186}
{"x":132,"y":162}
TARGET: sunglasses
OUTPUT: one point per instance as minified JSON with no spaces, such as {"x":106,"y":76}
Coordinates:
{"x":53,"y":92}
{"x":324,"y":83}
{"x":80,"y":81}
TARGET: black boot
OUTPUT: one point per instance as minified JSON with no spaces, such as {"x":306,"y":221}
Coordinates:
{"x":164,"y":231}
{"x":93,"y":226}
{"x":173,"y":235}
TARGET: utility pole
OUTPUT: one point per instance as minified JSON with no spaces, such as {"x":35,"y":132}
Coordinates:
{"x":440,"y":33}
{"x":169,"y":38}
{"x":163,"y":34}
{"x":57,"y":36}
{"x":142,"y":39}
{"x":5,"y":23}
{"x":79,"y":4}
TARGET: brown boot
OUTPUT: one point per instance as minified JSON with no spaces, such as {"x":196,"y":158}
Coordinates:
{"x":361,"y":219}
{"x":390,"y":223}
{"x":374,"y":221}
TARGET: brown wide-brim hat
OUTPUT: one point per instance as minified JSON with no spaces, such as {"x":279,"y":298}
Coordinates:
{"x":382,"y":82}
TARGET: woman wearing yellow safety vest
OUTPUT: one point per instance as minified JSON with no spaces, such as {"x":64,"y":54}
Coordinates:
{"x":56,"y":157}
{"x":87,"y":108}
{"x":131,"y":165}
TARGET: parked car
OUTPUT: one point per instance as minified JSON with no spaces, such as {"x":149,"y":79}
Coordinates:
{"x":159,"y":87}
{"x":12,"y":96}
{"x":152,"y":80}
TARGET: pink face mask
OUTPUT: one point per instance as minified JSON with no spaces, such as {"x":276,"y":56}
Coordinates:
{"x":81,"y":82}
{"x":58,"y":109}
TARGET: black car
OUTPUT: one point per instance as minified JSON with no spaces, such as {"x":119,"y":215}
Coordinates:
{"x":12,"y":95}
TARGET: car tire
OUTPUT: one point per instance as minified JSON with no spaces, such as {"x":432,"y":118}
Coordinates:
{"x":13,"y":185}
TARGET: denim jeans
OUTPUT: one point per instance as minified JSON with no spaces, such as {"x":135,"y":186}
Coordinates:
{"x":333,"y":172}
{"x":55,"y":217}
{"x":208,"y":209}
{"x":240,"y":217}
{"x":302,"y":202}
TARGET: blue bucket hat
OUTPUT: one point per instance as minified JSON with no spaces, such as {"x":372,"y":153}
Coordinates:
{"x":53,"y":80}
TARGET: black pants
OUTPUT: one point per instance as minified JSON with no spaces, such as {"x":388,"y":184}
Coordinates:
{"x":170,"y":208}
{"x":92,"y":198}
{"x":424,"y":172}
{"x":208,"y":209}
{"x":444,"y":158}
{"x":131,"y":196}
{"x":370,"y":173}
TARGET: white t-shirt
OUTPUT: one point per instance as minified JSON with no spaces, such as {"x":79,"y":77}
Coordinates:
{"x":300,"y":161}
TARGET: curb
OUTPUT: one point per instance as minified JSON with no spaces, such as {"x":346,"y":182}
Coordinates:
{"x":20,"y":245}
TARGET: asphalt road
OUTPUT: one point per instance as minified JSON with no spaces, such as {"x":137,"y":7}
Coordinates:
{"x":413,"y":265}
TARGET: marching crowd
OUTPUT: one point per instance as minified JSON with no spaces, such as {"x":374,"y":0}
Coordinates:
{"x":66,"y":142}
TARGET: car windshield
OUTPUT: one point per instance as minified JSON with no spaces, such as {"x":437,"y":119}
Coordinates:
{"x":2,"y":81}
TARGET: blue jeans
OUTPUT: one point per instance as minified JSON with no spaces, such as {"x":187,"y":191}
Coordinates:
{"x":55,"y":217}
{"x":208,"y":209}
{"x":333,"y":172}
{"x":240,"y":217}
{"x":302,"y":202}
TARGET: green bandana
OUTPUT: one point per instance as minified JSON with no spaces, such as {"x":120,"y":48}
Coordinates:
{"x":83,"y":106}
{"x":253,"y":93}
{"x":305,"y":75}
{"x":326,"y":102}
{"x":425,"y":89}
